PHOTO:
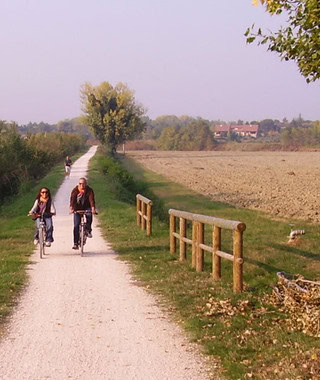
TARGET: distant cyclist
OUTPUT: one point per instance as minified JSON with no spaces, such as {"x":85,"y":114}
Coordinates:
{"x":82,"y":198}
{"x":67,"y":165}
{"x":43,"y":205}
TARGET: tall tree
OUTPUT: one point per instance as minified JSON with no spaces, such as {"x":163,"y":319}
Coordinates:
{"x":299,"y":41}
{"x":112,"y":113}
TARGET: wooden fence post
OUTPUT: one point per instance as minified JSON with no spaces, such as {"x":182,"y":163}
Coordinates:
{"x":200,"y":251}
{"x":149,"y":219}
{"x":138,"y":212}
{"x":183,"y":234}
{"x":144,"y":213}
{"x":216,"y":260}
{"x":194,"y":244}
{"x":238,"y":262}
{"x":173,"y":243}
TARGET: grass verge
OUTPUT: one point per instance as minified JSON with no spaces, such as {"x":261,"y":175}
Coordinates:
{"x":16,"y":238}
{"x":248,"y":335}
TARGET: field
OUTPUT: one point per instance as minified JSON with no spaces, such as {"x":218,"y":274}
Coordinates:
{"x":283,"y":184}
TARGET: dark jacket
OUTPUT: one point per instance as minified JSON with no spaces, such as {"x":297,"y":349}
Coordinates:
{"x":86,"y":202}
{"x":49,"y":210}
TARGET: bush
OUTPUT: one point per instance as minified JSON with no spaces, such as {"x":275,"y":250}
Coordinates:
{"x":28,"y":158}
{"x":125,"y":188}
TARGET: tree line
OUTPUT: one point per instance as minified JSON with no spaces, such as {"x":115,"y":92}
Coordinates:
{"x":300,"y":137}
{"x":73,"y":125}
{"x":169,"y":132}
{"x":27,"y":158}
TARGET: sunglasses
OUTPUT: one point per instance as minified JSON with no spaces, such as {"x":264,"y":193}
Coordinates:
{"x":44,"y":192}
{"x":82,"y":183}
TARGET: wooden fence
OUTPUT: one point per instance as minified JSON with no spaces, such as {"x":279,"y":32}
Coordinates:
{"x":198,"y":246}
{"x":144,"y":213}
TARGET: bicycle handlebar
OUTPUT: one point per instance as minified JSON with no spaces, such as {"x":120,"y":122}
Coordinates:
{"x":81,"y":212}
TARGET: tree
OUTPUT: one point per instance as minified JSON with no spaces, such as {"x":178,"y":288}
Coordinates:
{"x":112,"y":113}
{"x":267,"y":125}
{"x":195,"y":136}
{"x":168,"y":138}
{"x":300,"y":40}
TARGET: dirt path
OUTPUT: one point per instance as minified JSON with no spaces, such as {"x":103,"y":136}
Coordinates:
{"x":284,"y":184}
{"x":84,"y":318}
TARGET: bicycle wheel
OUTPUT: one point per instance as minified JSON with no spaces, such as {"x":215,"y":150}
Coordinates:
{"x":82,"y":237}
{"x":41,"y":241}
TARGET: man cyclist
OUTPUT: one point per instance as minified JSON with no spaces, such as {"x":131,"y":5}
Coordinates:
{"x":67,"y":165}
{"x":82,"y":198}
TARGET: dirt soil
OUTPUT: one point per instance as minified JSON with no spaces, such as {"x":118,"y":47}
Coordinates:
{"x":284,"y":184}
{"x":86,"y":318}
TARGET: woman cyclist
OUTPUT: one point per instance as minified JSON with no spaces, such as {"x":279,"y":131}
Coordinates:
{"x":43,"y":205}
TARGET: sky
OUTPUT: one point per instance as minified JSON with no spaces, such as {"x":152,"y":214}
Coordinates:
{"x":180,"y":57}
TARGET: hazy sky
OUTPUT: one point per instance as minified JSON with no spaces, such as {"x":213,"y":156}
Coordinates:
{"x":182,"y":57}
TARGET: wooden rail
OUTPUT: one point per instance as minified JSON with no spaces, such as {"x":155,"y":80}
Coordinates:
{"x":198,"y":246}
{"x":144,"y":213}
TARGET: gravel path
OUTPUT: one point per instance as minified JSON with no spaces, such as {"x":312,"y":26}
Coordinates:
{"x":84,"y":318}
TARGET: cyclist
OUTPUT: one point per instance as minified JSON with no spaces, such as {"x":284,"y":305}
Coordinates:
{"x":67,"y":165}
{"x":43,"y":205}
{"x":82,"y":198}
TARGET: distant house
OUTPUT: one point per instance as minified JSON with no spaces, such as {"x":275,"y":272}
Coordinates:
{"x":222,"y":131}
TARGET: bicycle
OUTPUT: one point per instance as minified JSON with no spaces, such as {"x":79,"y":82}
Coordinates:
{"x":42,"y":236}
{"x":82,"y":229}
{"x":42,"y":232}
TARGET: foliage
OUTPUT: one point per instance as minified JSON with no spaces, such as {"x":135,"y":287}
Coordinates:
{"x":74,"y":125}
{"x":112,"y":113}
{"x":268,"y":125}
{"x":300,"y":40}
{"x":28,"y":158}
{"x":168,"y":138}
{"x":196,"y":135}
{"x":32,"y":128}
{"x":124,"y":186}
{"x":155,"y":127}
{"x":299,"y":137}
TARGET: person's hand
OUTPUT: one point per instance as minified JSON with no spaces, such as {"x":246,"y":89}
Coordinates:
{"x":71,"y":210}
{"x":93,"y":210}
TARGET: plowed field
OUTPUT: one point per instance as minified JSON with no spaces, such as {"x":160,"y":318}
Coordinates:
{"x":284,"y":184}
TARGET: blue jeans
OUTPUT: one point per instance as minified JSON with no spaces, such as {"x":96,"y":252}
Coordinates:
{"x":49,"y":229}
{"x":76,"y":224}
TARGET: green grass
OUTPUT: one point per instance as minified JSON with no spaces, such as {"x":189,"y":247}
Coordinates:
{"x":249,"y":340}
{"x":16,"y":239}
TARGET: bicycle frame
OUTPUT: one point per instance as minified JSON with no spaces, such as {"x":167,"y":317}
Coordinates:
{"x":42,"y":236}
{"x":82,"y":229}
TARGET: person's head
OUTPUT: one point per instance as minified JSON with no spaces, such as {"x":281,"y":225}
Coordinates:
{"x":82,"y":183}
{"x":44,"y":192}
{"x":67,"y":157}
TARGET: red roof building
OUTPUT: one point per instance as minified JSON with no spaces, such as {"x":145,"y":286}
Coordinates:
{"x":241,"y":130}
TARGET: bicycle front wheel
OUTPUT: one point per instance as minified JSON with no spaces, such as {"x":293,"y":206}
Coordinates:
{"x":81,"y":239}
{"x":41,"y":242}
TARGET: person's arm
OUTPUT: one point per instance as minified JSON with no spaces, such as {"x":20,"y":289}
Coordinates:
{"x":92,"y":202}
{"x":71,"y":206}
{"x":34,"y":207}
{"x":53,"y":209}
